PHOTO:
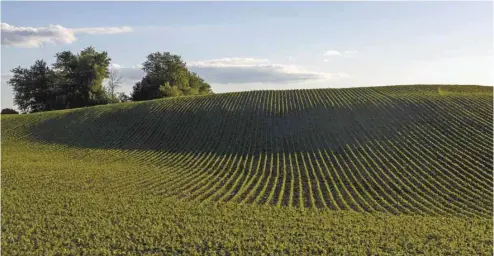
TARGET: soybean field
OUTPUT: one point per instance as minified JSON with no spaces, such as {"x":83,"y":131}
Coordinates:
{"x":363,"y":171}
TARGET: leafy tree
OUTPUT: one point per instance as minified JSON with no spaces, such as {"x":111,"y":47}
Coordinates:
{"x":198,"y":84}
{"x":107,"y":97}
{"x":74,"y":81}
{"x":35,"y":88}
{"x":9,"y":111}
{"x":167,"y":90}
{"x":145,"y":90}
{"x":81,"y":77}
{"x":167,"y":76}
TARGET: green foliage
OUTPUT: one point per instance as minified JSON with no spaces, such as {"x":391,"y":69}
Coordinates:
{"x":81,"y":77}
{"x":396,"y":170}
{"x":198,"y":85}
{"x":35,"y":89}
{"x":168,"y":91}
{"x":75,"y":81}
{"x":9,"y":111}
{"x":167,"y":76}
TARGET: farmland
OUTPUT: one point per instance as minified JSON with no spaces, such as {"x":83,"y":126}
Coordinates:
{"x":377,"y":170}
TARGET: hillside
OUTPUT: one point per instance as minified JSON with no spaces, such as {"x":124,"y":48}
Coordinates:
{"x":398,"y":152}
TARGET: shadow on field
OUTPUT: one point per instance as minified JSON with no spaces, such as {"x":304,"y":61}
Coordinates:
{"x":219,"y":126}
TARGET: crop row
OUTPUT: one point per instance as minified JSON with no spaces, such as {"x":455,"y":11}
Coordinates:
{"x":402,"y":150}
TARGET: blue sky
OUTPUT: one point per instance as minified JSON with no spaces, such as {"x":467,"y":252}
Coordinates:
{"x":238,"y":46}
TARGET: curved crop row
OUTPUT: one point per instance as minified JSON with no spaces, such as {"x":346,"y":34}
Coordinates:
{"x":421,"y":149}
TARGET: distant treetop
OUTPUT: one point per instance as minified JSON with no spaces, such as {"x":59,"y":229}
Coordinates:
{"x":167,"y":76}
{"x":9,"y":111}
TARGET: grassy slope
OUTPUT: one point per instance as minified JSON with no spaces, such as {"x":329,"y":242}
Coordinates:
{"x":409,"y":170}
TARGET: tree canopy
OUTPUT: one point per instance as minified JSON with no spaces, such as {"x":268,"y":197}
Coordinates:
{"x":167,"y":76}
{"x":76,"y":80}
{"x":35,"y":88}
{"x":9,"y":111}
{"x":81,"y":77}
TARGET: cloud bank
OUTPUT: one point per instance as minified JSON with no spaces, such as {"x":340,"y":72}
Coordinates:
{"x":32,"y":37}
{"x":338,"y":53}
{"x":102,"y":31}
{"x":333,"y":53}
{"x":252,"y":70}
{"x":240,"y":71}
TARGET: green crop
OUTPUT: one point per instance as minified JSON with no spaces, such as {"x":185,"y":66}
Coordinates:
{"x":394,"y":170}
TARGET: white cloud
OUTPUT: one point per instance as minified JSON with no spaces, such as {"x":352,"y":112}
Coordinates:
{"x":332,"y":53}
{"x":115,"y":66}
{"x":229,"y":62}
{"x":252,"y":70}
{"x":35,"y":37}
{"x":52,"y":34}
{"x":103,"y":31}
{"x":337,"y":53}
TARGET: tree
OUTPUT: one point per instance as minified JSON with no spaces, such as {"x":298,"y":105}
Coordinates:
{"x":144,"y":90}
{"x":167,"y":90}
{"x":35,"y":89}
{"x":81,"y":77}
{"x":198,"y":85}
{"x":167,"y":76}
{"x":114,"y":81}
{"x":9,"y":111}
{"x":122,"y":97}
{"x":74,"y":81}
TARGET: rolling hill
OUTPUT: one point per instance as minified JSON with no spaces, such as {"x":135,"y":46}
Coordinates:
{"x":418,"y":156}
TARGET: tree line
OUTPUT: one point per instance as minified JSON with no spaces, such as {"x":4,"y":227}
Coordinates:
{"x":78,"y":80}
